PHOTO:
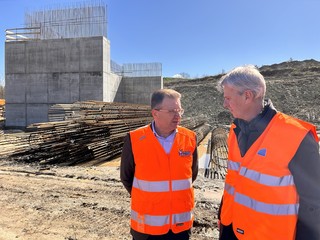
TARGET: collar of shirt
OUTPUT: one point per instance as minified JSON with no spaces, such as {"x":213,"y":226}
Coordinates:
{"x":167,"y":142}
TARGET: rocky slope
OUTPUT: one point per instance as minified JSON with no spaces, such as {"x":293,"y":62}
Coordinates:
{"x":292,"y":86}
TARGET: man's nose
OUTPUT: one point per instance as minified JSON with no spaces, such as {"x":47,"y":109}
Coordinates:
{"x":225,"y":104}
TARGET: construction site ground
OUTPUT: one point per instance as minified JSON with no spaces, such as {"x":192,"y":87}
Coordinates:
{"x":84,"y":202}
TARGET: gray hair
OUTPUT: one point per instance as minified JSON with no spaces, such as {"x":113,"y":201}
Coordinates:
{"x":158,"y":96}
{"x":245,"y":78}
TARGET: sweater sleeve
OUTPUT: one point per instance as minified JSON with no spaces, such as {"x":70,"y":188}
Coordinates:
{"x":305,"y":169}
{"x":127,"y":165}
{"x":195,"y":165}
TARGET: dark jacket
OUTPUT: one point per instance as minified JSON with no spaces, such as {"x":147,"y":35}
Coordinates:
{"x":127,"y":169}
{"x":304,"y":167}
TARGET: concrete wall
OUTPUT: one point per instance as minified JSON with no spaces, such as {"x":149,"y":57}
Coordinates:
{"x":138,"y":89}
{"x":42,"y":73}
{"x":111,"y":83}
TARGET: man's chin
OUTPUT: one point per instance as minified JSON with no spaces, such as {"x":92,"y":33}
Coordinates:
{"x":175,"y":125}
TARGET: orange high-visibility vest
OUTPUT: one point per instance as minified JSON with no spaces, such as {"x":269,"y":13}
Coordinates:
{"x":260,"y":197}
{"x":162,"y":196}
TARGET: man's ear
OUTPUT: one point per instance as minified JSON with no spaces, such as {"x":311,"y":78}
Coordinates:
{"x":249,"y":95}
{"x":154,"y":113}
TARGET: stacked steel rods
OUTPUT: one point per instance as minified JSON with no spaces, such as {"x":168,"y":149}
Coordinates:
{"x":217,"y":153}
{"x":83,"y":132}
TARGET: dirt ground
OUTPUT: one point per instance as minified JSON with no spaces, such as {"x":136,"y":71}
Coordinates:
{"x":83,"y":203}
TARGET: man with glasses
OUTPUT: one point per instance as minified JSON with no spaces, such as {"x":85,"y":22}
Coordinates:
{"x":272,"y":186}
{"x":159,"y":162}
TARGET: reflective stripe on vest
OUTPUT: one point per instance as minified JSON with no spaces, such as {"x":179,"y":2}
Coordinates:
{"x":162,"y":186}
{"x":274,"y":209}
{"x":266,"y":179}
{"x":229,"y":189}
{"x":233,"y":165}
{"x":158,"y":221}
{"x":181,"y":217}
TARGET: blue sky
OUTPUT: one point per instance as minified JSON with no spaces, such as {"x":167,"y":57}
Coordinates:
{"x":197,"y":37}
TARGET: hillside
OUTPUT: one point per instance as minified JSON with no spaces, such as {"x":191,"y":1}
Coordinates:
{"x":292,"y":86}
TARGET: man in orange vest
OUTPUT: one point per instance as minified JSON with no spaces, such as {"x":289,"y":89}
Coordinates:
{"x":159,"y":163}
{"x":272,"y":187}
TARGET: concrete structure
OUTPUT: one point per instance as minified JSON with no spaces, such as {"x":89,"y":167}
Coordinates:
{"x":137,"y":89}
{"x":41,"y":72}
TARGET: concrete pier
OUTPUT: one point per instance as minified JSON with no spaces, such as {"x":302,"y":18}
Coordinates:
{"x":40,"y":73}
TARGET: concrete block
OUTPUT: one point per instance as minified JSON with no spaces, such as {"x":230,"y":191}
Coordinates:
{"x":128,"y":86}
{"x":63,"y":88}
{"x":37,"y":113}
{"x":36,"y":56}
{"x":37,"y":88}
{"x":40,"y":73}
{"x":16,"y":85}
{"x":106,"y":55}
{"x":15,"y":57}
{"x":16,"y":115}
{"x":118,"y":97}
{"x":63,"y":55}
{"x":91,"y":54}
{"x":138,"y":89}
{"x":142,"y":98}
{"x":111,"y":83}
{"x":91,"y":86}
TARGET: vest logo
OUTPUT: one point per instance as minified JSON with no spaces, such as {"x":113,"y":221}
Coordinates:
{"x":241,"y":231}
{"x":262,"y":152}
{"x":179,"y":224}
{"x":142,"y":137}
{"x":184,"y":153}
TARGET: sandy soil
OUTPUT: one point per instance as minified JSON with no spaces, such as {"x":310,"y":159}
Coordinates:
{"x":74,"y":203}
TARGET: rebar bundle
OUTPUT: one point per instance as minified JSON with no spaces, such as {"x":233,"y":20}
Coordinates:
{"x":218,"y":154}
{"x":96,"y":110}
{"x":87,"y":131}
{"x":137,"y":69}
{"x":83,"y":20}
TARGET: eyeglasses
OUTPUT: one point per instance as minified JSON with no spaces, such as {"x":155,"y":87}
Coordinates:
{"x":179,"y":111}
